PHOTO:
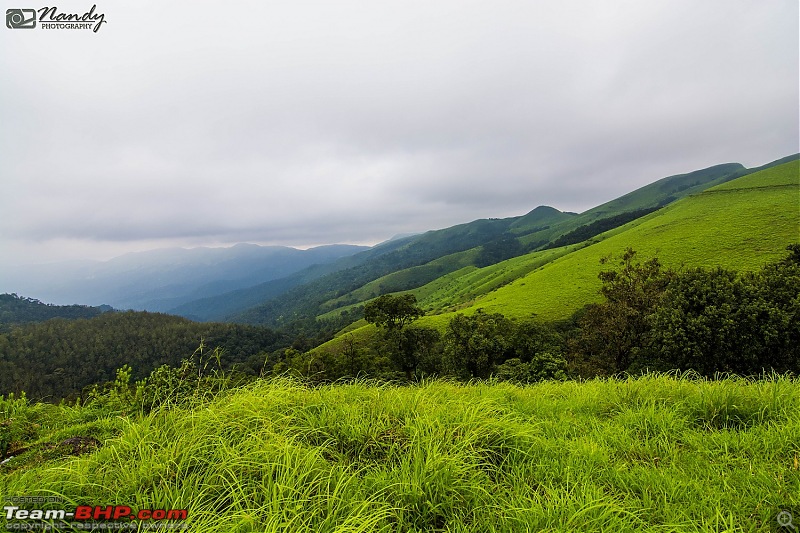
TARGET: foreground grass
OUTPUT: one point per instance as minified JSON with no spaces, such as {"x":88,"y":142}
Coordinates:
{"x":650,"y":454}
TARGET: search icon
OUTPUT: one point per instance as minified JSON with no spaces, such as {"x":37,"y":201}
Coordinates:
{"x":785,"y":520}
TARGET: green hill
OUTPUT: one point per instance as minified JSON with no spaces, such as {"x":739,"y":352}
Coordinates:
{"x":677,"y":186}
{"x":657,"y":194}
{"x":535,"y":230}
{"x":653,"y":195}
{"x":540,"y":218}
{"x":411,"y":262}
{"x":740,"y":224}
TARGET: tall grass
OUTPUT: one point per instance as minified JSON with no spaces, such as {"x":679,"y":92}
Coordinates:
{"x":656,"y":453}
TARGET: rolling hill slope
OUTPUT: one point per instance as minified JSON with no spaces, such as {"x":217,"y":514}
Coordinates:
{"x":657,"y":194}
{"x":416,"y":261}
{"x":307,"y":301}
{"x":538,"y":229}
{"x":740,"y":224}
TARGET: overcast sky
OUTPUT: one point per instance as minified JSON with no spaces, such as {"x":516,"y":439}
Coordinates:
{"x":312,"y":122}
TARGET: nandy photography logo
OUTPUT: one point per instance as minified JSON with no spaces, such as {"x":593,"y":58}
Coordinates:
{"x":49,"y":18}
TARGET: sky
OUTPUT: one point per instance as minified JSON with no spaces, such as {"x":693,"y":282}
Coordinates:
{"x":313,"y":122}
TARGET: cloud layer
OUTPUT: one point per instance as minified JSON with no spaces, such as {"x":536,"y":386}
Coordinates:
{"x":314,"y":122}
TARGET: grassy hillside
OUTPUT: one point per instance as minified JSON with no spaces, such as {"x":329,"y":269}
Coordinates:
{"x":659,"y":193}
{"x":535,"y":230}
{"x":648,"y":454}
{"x":677,"y":187}
{"x":455,"y":290}
{"x":739,"y":225}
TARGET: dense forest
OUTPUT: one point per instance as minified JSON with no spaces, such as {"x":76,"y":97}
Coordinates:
{"x":16,"y":310}
{"x":710,"y":321}
{"x":60,"y":357}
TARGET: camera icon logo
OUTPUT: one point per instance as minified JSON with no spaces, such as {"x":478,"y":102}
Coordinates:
{"x":20,"y":18}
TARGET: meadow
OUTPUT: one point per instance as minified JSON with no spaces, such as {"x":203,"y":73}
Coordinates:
{"x":658,"y":452}
{"x":653,"y":453}
{"x":740,"y":225}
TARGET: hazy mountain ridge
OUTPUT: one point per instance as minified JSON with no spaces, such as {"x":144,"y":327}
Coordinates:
{"x":158,"y":280}
{"x":274,"y":284}
{"x":534,"y":231}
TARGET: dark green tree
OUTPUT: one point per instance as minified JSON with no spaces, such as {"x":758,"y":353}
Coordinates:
{"x":695,"y":327}
{"x":531,"y":337}
{"x":715,"y":321}
{"x":392,"y":312}
{"x":404,"y":345}
{"x":504,"y":247}
{"x":474,"y":344}
{"x":543,"y":366}
{"x":538,"y":354}
{"x":613,"y":332}
{"x":413,"y":346}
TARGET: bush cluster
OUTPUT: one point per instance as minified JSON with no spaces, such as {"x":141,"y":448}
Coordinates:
{"x":708,"y":321}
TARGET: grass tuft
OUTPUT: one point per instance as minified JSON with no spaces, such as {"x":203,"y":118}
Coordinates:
{"x":652,"y":453}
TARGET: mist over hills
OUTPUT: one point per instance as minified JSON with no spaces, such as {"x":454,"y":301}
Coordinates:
{"x":158,"y":280}
{"x":544,"y":263}
{"x":410,"y":263}
{"x":277,"y":285}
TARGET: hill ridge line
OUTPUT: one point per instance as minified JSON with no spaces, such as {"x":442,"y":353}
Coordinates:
{"x":734,"y":189}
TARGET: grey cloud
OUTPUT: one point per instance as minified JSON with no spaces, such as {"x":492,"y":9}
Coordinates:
{"x":313,"y":122}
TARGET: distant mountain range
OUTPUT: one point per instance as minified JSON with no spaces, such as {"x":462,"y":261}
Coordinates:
{"x":279,"y":286}
{"x":409,"y":263}
{"x":160,"y":280}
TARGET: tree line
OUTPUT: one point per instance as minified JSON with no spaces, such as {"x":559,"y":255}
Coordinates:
{"x":710,"y":321}
{"x":16,"y":310}
{"x":59,"y":358}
